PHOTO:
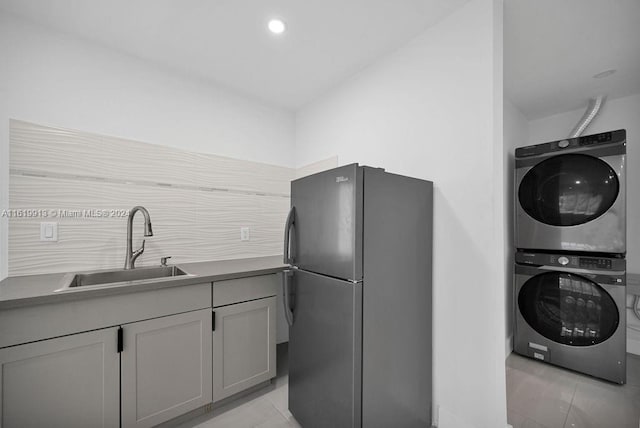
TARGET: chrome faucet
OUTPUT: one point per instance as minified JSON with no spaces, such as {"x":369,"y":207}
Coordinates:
{"x":130,"y":260}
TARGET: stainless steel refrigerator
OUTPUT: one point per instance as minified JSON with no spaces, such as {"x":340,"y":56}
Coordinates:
{"x":358,"y":299}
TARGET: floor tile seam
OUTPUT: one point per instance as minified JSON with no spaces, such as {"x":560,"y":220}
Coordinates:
{"x":273,"y":404}
{"x":617,"y":387}
{"x":278,"y":413}
{"x":566,"y":418}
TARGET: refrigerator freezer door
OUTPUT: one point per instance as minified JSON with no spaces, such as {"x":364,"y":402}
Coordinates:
{"x":325,"y":351}
{"x":327,"y":230}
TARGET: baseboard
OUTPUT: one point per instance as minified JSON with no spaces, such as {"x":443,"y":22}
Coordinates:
{"x":243,"y":393}
{"x":446,"y":419}
{"x":182,"y":419}
{"x":508,"y":346}
{"x":194,"y":415}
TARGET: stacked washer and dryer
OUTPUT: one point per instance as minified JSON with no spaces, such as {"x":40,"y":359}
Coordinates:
{"x":570,"y":268}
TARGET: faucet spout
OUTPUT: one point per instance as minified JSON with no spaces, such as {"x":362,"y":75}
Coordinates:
{"x":147,"y":226}
{"x":131,"y":256}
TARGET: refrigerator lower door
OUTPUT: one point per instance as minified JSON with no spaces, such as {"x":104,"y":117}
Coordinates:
{"x":325,"y":351}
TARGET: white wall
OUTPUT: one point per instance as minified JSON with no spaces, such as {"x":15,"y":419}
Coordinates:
{"x":4,"y":178}
{"x":433,"y":110}
{"x":51,"y":79}
{"x":516,"y":134}
{"x":615,"y":114}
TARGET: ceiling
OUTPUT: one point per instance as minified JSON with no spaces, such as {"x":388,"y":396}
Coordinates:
{"x":226,"y":41}
{"x":553,"y":48}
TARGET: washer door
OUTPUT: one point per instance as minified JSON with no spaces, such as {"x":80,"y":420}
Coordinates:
{"x":568,"y":190}
{"x":568,"y":308}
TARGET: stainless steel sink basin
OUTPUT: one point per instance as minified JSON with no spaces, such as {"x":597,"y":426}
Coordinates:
{"x":119,"y":277}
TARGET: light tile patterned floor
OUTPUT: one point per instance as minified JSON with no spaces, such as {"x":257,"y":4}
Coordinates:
{"x":542,"y":395}
{"x":539,"y":395}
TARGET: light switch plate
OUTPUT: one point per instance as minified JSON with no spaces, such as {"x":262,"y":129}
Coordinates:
{"x":244,"y":234}
{"x":49,"y":231}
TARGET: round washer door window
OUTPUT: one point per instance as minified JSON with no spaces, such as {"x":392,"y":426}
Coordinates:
{"x":568,"y":190}
{"x":568,"y":308}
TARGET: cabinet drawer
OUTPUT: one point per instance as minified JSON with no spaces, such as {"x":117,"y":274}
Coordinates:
{"x":40,"y":322}
{"x":243,"y":289}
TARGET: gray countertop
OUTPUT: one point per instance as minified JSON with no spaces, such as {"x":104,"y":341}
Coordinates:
{"x":38,"y":289}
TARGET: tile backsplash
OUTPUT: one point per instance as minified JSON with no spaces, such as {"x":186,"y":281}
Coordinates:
{"x":87,"y":182}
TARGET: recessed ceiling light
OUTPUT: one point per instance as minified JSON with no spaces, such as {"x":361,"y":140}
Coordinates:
{"x":276,"y":26}
{"x":605,"y":73}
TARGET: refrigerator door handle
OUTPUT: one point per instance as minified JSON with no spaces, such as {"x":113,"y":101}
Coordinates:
{"x":287,"y":241}
{"x":288,"y":313}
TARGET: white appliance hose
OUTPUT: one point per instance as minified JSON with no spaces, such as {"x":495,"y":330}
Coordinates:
{"x":592,"y":111}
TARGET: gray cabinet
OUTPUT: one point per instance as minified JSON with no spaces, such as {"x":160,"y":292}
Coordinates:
{"x":244,"y":340}
{"x":166,"y":367}
{"x":71,"y":381}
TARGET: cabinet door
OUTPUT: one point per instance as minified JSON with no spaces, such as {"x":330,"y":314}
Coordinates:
{"x":244,"y":351}
{"x":71,"y":381}
{"x":166,"y":367}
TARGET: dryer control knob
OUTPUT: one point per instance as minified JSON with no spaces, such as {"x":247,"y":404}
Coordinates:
{"x":564,"y":143}
{"x":563,"y":260}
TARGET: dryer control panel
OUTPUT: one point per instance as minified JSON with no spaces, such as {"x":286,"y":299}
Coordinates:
{"x":595,"y":263}
{"x":618,"y":136}
{"x":570,"y":261}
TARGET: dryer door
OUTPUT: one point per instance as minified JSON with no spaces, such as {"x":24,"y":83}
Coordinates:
{"x":568,"y":190}
{"x":568,"y":308}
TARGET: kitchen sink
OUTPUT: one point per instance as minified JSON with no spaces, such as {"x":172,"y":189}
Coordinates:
{"x":119,"y":277}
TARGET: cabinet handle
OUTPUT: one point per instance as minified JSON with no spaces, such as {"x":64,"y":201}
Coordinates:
{"x":120,"y":340}
{"x":213,"y":320}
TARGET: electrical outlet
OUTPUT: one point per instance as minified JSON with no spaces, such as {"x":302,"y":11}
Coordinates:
{"x":244,"y":234}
